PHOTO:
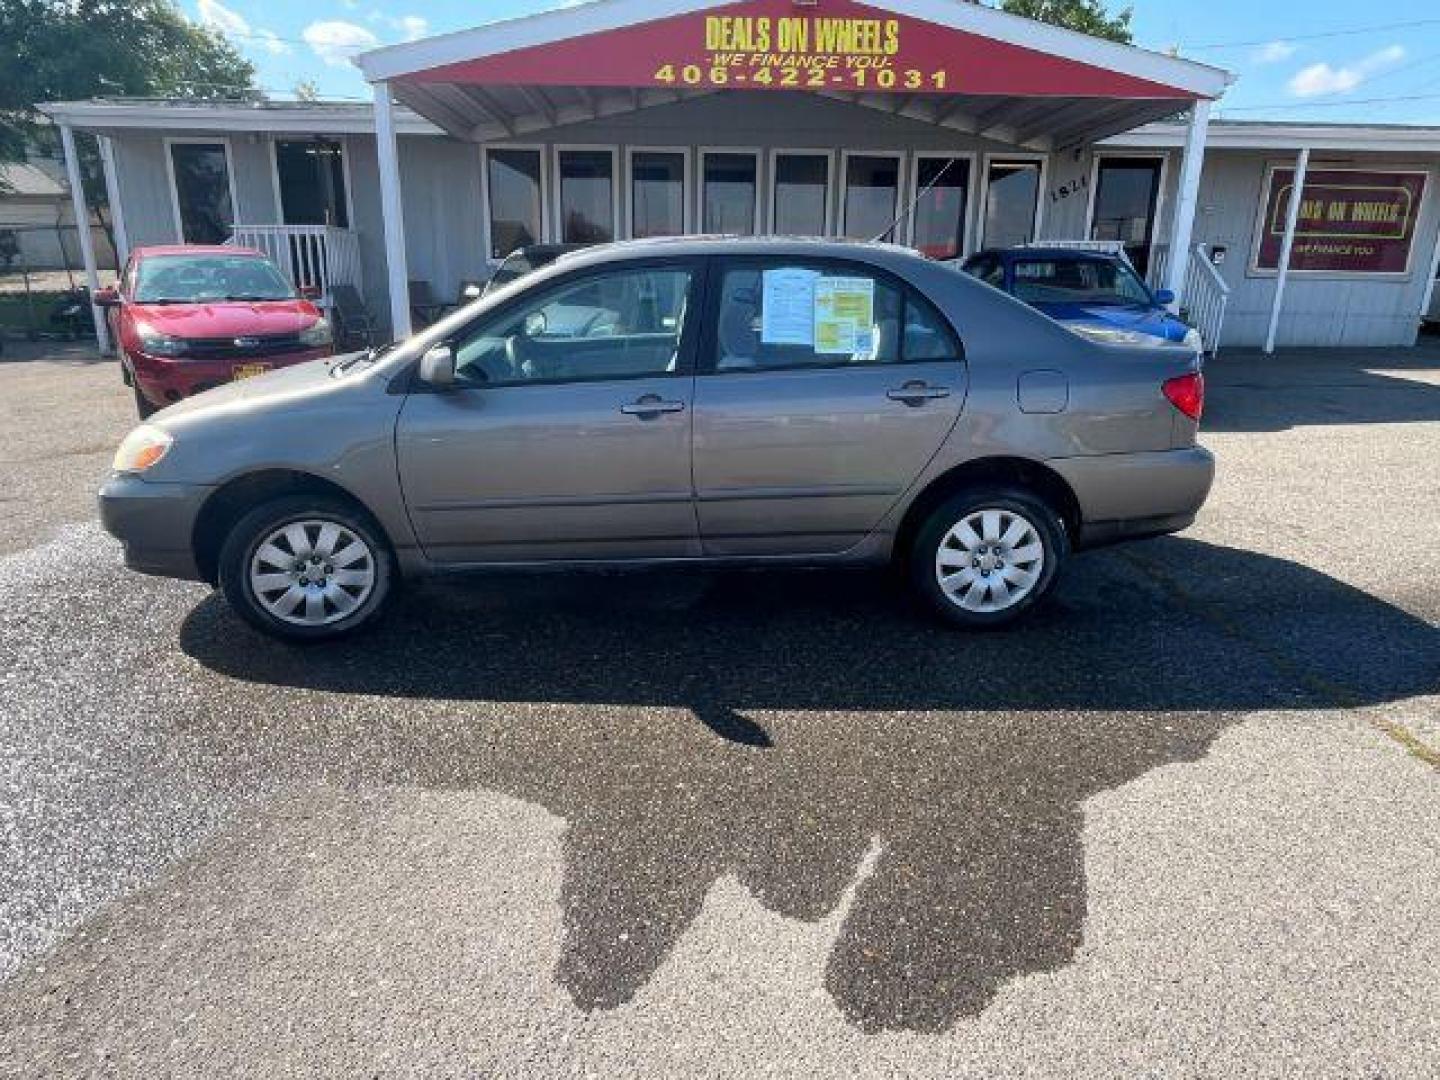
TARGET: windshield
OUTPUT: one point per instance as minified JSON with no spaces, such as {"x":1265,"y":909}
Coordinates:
{"x":1087,"y":281}
{"x":198,"y":278}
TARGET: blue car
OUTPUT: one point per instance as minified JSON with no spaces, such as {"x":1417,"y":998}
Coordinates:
{"x":1093,"y":293}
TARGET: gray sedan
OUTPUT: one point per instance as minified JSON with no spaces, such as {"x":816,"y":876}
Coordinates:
{"x":692,"y":401}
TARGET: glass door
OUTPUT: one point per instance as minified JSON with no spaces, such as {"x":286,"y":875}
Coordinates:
{"x":1127,"y":193}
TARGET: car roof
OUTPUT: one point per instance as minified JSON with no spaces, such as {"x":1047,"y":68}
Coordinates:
{"x":194,"y":249}
{"x":1039,"y":252}
{"x":797,"y":246}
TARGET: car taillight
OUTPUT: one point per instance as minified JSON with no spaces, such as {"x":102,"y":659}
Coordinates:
{"x":1187,"y":393}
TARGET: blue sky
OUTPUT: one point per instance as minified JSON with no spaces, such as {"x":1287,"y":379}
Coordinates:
{"x":1323,"y":59}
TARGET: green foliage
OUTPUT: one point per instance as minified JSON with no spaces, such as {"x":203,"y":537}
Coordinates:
{"x":1087,"y":16}
{"x":62,"y":50}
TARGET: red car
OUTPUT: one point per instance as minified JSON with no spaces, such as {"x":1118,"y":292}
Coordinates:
{"x":187,"y":317}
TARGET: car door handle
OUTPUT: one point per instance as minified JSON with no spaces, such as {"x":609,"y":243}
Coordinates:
{"x":651,"y":405}
{"x":913,"y":393}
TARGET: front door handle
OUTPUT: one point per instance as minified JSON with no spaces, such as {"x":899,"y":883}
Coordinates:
{"x":651,"y":405}
{"x":916,"y":391}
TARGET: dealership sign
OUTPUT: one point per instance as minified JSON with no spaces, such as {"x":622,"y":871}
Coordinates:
{"x":780,"y":45}
{"x":1353,"y":221}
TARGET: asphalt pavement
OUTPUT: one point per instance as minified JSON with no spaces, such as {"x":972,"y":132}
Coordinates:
{"x":1185,"y":822}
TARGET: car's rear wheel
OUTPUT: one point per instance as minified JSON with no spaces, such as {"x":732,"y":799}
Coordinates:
{"x":987,"y":557}
{"x":306,"y":568}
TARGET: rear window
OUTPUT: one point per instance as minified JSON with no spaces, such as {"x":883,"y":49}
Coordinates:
{"x":195,"y":278}
{"x":1078,"y":280}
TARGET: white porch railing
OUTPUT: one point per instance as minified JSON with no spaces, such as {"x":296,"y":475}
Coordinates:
{"x":1206,"y":298}
{"x":311,"y":256}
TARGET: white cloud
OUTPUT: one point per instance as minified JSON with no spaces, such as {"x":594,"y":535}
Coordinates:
{"x":216,"y":16}
{"x":1321,"y":79}
{"x":1273,"y":52}
{"x":267,"y":40}
{"x":414,"y":26}
{"x":336,"y":42}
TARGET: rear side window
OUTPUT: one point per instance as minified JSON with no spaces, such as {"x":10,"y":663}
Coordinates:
{"x":783,"y":315}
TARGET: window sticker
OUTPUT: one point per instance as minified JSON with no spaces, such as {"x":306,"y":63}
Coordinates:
{"x":787,"y":307}
{"x":844,"y":315}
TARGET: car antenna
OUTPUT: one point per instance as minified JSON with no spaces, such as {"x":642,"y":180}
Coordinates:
{"x":910,"y":206}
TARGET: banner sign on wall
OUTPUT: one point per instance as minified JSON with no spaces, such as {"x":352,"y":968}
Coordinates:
{"x":1351,"y":221}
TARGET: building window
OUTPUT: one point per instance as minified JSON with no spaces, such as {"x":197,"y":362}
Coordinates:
{"x":1127,"y":194}
{"x":657,"y":193}
{"x":872,"y":195}
{"x":801,"y":194}
{"x":587,"y":196}
{"x":728,"y":193}
{"x":1012,"y":196}
{"x":513,"y":180}
{"x":310,"y":175}
{"x":942,"y":187}
{"x":204,"y":209}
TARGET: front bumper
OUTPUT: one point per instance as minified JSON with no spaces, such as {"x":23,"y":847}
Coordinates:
{"x":166,"y":380}
{"x":155,"y":523}
{"x":1127,"y":496}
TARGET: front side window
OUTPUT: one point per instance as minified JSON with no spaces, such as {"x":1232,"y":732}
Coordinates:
{"x":587,"y":196}
{"x":784,"y":315}
{"x":727,"y":193}
{"x":611,"y":325}
{"x":657,"y":193}
{"x":196,"y":278}
{"x":1012,"y":193}
{"x":872,"y":194}
{"x":513,"y":180}
{"x":202,"y":191}
{"x":1089,"y":281}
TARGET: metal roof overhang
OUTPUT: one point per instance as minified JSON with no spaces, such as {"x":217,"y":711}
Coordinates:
{"x":981,"y":72}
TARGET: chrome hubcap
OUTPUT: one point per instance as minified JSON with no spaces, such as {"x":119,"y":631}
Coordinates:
{"x":990,"y":560}
{"x":311,"y":573}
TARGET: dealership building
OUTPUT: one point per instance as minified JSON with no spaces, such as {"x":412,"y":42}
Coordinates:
{"x":946,"y":126}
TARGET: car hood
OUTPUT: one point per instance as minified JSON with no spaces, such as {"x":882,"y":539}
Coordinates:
{"x":1157,"y":322}
{"x":228,"y":318}
{"x":273,"y":388}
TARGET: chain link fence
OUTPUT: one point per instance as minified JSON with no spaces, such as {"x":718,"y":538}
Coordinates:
{"x":43,"y":292}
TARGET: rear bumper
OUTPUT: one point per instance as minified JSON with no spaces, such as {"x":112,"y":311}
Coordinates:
{"x":1127,"y":496}
{"x":155,"y":523}
{"x":165,"y":380}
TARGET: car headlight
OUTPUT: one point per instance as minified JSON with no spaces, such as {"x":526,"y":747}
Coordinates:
{"x":317,"y":334}
{"x":142,"y":448}
{"x":155,"y":343}
{"x":1193,"y":340}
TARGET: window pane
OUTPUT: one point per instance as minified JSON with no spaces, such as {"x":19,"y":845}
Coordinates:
{"x":727,"y":194}
{"x":514,"y":182}
{"x":312,"y":182}
{"x":657,"y":194}
{"x":202,"y":190}
{"x":1011,"y":196}
{"x":606,"y":326}
{"x":209,"y":277}
{"x":1125,"y":205}
{"x":872,"y":191}
{"x":587,"y":196}
{"x":940,"y":211}
{"x":790,"y":315}
{"x":1093,"y":281}
{"x":802,"y":182}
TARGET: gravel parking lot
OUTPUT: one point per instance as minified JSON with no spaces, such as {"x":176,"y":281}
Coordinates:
{"x":1184,"y":822}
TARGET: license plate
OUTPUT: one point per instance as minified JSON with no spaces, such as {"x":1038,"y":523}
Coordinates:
{"x":248,"y":371}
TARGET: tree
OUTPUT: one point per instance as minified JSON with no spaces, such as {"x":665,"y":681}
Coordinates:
{"x":307,"y":90}
{"x":64,"y":50}
{"x":1087,"y":16}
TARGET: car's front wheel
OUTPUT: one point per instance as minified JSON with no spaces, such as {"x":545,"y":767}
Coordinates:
{"x":986,"y":557}
{"x":306,"y":568}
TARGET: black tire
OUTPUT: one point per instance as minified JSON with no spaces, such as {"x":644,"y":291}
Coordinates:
{"x":1014,"y":501}
{"x":246,"y":536}
{"x":143,"y":405}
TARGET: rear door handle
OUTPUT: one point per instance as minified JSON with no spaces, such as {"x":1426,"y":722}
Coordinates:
{"x":651,"y":405}
{"x":913,"y":393}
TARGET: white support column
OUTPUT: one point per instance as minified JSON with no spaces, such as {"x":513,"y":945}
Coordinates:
{"x":392,"y":212}
{"x":112,"y":195}
{"x":1182,"y":223}
{"x":82,"y":230}
{"x":1292,"y":215}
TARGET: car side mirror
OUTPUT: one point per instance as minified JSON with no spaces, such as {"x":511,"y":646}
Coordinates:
{"x":1164,"y":297}
{"x":106,"y":297}
{"x":437,"y":366}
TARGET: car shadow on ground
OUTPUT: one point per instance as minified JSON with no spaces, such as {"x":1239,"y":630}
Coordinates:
{"x":836,"y":721}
